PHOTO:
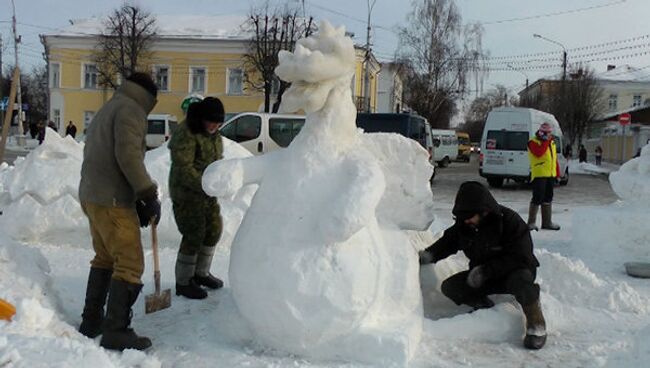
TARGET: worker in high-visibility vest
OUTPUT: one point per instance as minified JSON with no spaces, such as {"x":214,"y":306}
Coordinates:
{"x":544,"y":169}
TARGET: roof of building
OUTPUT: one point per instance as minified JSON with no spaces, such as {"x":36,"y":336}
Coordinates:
{"x":172,"y":26}
{"x":626,"y":73}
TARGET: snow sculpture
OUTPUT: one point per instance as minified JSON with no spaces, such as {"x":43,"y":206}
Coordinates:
{"x":632,"y":181}
{"x":311,"y":270}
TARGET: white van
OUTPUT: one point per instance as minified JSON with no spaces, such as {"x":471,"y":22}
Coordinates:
{"x":262,"y":132}
{"x":160,"y":129}
{"x":445,"y":146}
{"x":504,"y":145}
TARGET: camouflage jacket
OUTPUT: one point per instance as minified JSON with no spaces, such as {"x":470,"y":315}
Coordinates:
{"x":191,"y":154}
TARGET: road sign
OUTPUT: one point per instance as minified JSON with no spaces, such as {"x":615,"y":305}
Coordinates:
{"x":624,"y":119}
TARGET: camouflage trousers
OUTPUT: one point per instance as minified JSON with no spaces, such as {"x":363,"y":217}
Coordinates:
{"x":199,"y":222}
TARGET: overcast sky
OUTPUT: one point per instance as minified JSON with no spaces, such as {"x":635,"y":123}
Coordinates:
{"x":574,"y":23}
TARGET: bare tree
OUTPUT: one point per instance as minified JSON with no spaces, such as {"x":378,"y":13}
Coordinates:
{"x":441,"y":55}
{"x":583,"y":102}
{"x":477,"y":114}
{"x":125,"y":45}
{"x":272,"y":31}
{"x":36,"y":93}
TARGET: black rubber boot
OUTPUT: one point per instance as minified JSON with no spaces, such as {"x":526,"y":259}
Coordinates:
{"x":117,"y":332}
{"x":535,"y":326}
{"x":192,"y":290}
{"x":209,"y":281}
{"x":99,"y":280}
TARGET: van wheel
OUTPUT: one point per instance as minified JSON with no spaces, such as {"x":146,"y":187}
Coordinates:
{"x":565,"y":180}
{"x":445,"y":162}
{"x":495,"y":182}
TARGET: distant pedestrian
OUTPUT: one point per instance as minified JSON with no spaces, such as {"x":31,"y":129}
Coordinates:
{"x":71,"y":129}
{"x":599,"y":155}
{"x":52,"y":126}
{"x":582,"y":154}
{"x":638,"y":153}
{"x":41,"y":132}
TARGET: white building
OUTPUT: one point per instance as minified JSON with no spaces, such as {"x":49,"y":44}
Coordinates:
{"x":390,"y":89}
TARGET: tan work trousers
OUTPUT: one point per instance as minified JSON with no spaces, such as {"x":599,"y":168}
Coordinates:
{"x":116,"y":241}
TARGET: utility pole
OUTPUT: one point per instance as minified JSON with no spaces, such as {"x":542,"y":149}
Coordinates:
{"x":1,"y":81}
{"x":366,"y":84}
{"x":18,"y":90}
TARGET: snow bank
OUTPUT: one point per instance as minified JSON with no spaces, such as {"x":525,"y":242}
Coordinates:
{"x":37,"y":336}
{"x":585,"y":168}
{"x":632,"y":181}
{"x":39,"y":194}
{"x":321,"y":266}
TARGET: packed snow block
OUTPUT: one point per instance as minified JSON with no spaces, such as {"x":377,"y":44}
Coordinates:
{"x":317,"y":268}
{"x":49,"y":172}
{"x":632,"y":181}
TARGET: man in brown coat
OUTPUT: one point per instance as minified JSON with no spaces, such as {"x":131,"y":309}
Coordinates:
{"x":118,"y":196}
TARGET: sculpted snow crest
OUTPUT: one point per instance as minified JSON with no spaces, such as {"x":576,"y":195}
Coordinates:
{"x":311,"y":270}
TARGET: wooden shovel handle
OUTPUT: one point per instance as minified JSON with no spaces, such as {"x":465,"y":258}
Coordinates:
{"x":156,"y":262}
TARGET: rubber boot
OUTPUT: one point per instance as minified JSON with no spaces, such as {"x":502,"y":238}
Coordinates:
{"x":118,"y":335}
{"x":202,"y":274}
{"x":99,"y":280}
{"x":547,"y":213}
{"x":532,"y":217}
{"x":535,"y":326}
{"x":185,"y":284}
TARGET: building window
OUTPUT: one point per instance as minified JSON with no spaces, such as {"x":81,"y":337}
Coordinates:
{"x":636,"y":101}
{"x":613,"y":102}
{"x":197,"y":79}
{"x":55,"y":75}
{"x":90,"y":76}
{"x":88,"y":118}
{"x":56,"y":117}
{"x":161,"y":74}
{"x":235,"y":81}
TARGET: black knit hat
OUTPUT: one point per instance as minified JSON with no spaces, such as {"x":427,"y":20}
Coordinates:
{"x":144,"y":80}
{"x":212,"y":110}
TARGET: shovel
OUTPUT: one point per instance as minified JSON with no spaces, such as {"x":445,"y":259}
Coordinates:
{"x":158,"y":300}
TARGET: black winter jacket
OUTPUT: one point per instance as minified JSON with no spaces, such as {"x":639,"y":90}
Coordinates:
{"x":501,"y":242}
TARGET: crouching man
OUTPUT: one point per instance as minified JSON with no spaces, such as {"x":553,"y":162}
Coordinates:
{"x":500,"y":250}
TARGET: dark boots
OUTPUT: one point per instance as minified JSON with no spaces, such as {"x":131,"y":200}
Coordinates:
{"x":535,"y":326}
{"x":192,"y":290}
{"x":99,"y":280}
{"x":547,"y":211}
{"x":532,"y":217}
{"x":202,"y":274}
{"x":117,"y":333}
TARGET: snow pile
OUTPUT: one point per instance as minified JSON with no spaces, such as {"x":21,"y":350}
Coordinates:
{"x":632,"y":181}
{"x":585,"y":168}
{"x":39,"y":194}
{"x":311,"y":270}
{"x":37,"y":336}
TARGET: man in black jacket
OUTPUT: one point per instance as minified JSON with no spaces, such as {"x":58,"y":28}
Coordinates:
{"x":500,"y":250}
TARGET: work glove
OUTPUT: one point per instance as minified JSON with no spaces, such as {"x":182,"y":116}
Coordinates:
{"x":477,"y":277}
{"x":148,"y":208}
{"x":425,"y":257}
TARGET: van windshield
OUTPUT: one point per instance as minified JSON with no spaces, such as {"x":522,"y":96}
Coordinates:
{"x":507,"y":141}
{"x":156,"y":127}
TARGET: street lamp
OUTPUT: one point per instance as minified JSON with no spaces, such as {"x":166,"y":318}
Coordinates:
{"x":517,"y":70}
{"x":564,"y":54}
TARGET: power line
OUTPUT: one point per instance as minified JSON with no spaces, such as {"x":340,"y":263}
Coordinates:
{"x":546,"y":15}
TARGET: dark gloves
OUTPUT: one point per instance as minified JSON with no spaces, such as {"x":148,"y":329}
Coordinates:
{"x":477,"y":277}
{"x":425,"y":257}
{"x":148,"y":207}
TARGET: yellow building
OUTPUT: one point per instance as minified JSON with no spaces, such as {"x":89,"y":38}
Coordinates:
{"x":192,"y":55}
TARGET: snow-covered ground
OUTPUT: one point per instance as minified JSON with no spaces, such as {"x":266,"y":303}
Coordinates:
{"x":597,"y":316}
